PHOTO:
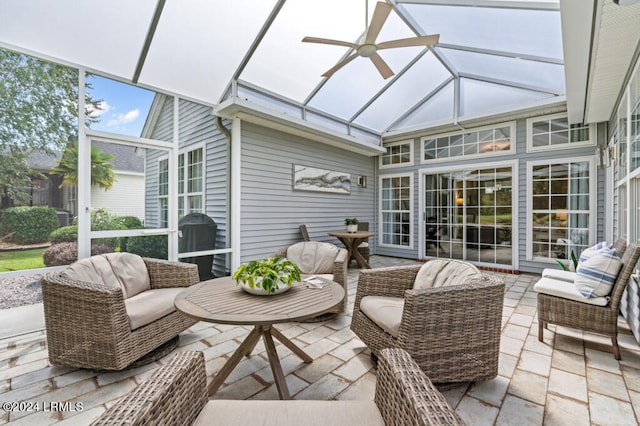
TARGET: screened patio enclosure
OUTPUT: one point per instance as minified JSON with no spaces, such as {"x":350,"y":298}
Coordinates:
{"x":506,"y":55}
{"x":497,"y":62}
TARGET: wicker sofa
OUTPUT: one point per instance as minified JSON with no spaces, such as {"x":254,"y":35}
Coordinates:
{"x":109,"y":311}
{"x":451,"y":329}
{"x":176,"y":395}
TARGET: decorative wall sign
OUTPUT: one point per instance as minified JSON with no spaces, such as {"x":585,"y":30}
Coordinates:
{"x":312,"y":179}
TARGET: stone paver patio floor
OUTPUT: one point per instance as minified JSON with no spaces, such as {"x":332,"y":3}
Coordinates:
{"x":574,"y":382}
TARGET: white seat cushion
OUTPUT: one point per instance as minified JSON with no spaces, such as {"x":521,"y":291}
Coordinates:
{"x":313,"y":257}
{"x":443,"y":272}
{"x":289,"y":413}
{"x":566,"y":290}
{"x":557,"y":274}
{"x":385,"y":311}
{"x":148,"y":306}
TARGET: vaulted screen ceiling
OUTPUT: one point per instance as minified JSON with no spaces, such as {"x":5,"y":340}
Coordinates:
{"x":494,"y":55}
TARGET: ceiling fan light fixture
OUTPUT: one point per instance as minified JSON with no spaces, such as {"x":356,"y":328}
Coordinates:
{"x":366,"y":50}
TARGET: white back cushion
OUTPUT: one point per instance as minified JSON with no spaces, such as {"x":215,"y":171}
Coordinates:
{"x":313,"y":257}
{"x":125,"y":270}
{"x":444,"y":272}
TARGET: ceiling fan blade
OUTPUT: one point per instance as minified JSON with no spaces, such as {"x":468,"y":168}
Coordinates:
{"x":340,"y":64}
{"x":430,"y":40}
{"x":382,"y":66}
{"x":380,"y":15}
{"x":329,"y":41}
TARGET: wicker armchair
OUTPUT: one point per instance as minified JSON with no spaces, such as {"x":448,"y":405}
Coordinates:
{"x":553,"y":309}
{"x":452,"y":332}
{"x":89,"y":324}
{"x":321,"y":259}
{"x":176,"y":395}
{"x":364,"y":247}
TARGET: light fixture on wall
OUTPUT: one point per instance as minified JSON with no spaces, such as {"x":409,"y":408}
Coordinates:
{"x":362,"y":181}
{"x":602,"y":157}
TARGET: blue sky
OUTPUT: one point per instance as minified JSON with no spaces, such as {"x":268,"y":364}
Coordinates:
{"x":124,"y":107}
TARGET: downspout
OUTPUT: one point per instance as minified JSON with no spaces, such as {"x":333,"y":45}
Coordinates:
{"x":227,"y":134}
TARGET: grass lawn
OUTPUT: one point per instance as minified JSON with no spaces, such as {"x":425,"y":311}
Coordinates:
{"x":21,"y":259}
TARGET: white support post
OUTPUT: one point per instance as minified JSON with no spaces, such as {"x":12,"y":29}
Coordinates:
{"x":173,"y":184}
{"x":84,"y":175}
{"x":236,"y":188}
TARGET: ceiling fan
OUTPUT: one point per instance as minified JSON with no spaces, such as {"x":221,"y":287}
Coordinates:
{"x":368,"y":47}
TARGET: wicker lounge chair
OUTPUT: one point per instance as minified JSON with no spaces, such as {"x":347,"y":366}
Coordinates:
{"x":176,"y":395}
{"x":107,"y":320}
{"x":452,"y":331}
{"x":582,"y":314}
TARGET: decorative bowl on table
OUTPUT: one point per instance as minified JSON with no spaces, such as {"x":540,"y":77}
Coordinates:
{"x":267,"y":277}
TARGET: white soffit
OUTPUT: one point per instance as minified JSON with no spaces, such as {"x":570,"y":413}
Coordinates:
{"x":577,"y":23}
{"x":615,"y":41}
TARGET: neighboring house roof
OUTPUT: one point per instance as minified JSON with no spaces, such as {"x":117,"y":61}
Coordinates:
{"x":125,"y":158}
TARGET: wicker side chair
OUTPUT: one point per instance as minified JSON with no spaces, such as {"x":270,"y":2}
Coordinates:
{"x":176,"y":394}
{"x":304,"y":232}
{"x":87,"y":323}
{"x":452,"y":332}
{"x":588,"y":317}
{"x":337,"y":265}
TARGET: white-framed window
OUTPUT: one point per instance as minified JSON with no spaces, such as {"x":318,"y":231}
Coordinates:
{"x":190,"y":184}
{"x":498,"y":139}
{"x":396,"y":207}
{"x":163,"y":192}
{"x":561,"y":206}
{"x":554,"y":132}
{"x":398,"y":154}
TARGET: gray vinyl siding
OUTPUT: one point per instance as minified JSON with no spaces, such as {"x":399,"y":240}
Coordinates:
{"x":272,"y":211}
{"x":163,"y":131}
{"x":197,"y":127}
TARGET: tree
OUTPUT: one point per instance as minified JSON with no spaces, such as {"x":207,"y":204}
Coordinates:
{"x":38,"y":112}
{"x":101,"y":167}
{"x":39,"y":103}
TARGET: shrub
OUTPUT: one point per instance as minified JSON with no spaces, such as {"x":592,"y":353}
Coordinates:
{"x":149,"y":246}
{"x":67,"y":253}
{"x":129,"y":222}
{"x":66,"y":234}
{"x":29,"y":224}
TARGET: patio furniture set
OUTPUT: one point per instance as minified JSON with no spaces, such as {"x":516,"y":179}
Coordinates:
{"x":436,"y":323}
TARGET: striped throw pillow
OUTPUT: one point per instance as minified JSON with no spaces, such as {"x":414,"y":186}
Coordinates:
{"x":597,"y":274}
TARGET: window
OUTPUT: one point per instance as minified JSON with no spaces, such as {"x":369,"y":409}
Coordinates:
{"x":554,"y":131}
{"x":398,"y":154}
{"x":561,"y":208}
{"x":480,"y":142}
{"x":395,"y":209}
{"x":163,"y":192}
{"x":190,"y":185}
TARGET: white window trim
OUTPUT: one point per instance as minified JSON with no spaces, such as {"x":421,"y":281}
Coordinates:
{"x":184,"y":151}
{"x":409,"y":142}
{"x":411,"y":216}
{"x":531,"y":148}
{"x":510,"y":151}
{"x":593,"y":183}
{"x":159,"y":197}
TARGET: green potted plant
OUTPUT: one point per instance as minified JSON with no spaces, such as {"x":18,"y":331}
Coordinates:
{"x":352,"y":224}
{"x":267,"y":276}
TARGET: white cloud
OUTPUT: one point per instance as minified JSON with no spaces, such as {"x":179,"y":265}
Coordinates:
{"x":102,"y":108}
{"x":119,"y":119}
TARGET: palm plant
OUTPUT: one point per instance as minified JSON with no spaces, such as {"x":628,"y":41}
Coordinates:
{"x":101,"y":167}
